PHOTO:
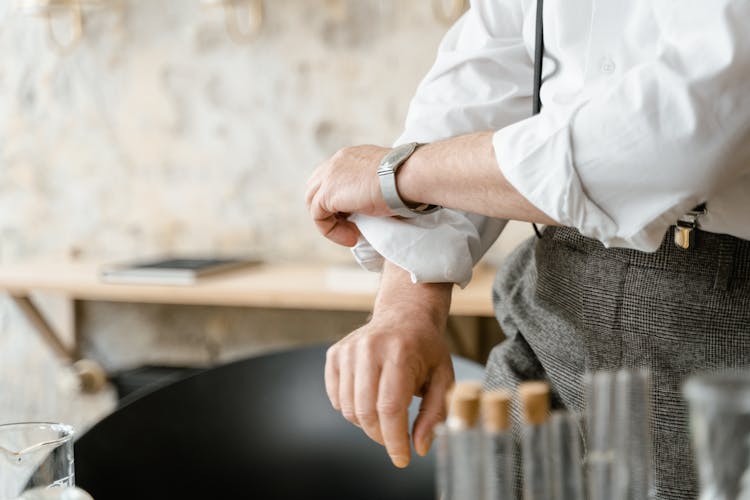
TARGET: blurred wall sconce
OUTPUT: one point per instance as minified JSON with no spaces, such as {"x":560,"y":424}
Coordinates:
{"x":52,"y":10}
{"x":243,"y":18}
{"x":448,"y":11}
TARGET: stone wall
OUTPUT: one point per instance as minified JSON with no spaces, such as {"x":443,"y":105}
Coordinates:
{"x":158,"y":133}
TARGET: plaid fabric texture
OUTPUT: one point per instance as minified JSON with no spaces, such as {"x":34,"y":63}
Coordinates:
{"x":569,"y":305}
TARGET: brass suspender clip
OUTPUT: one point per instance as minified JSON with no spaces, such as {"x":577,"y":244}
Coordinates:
{"x":684,"y":231}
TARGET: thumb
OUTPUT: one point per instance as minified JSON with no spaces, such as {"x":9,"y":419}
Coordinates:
{"x":338,"y":229}
{"x":432,"y":410}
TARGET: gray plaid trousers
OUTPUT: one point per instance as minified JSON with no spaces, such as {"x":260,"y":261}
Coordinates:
{"x":568,"y":305}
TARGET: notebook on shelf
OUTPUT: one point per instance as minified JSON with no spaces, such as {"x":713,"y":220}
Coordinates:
{"x":172,"y":270}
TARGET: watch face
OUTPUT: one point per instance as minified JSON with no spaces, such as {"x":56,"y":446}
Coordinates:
{"x":398,"y":155}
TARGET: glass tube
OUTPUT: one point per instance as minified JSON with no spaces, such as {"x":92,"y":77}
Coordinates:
{"x":497,"y":446}
{"x":535,"y":452}
{"x":535,"y":440}
{"x":600,"y":460}
{"x":463,"y":479}
{"x":720,"y":426}
{"x":633,"y":450}
{"x":566,"y":475}
{"x":618,"y":419}
{"x":498,"y":466}
{"x":442,"y":464}
{"x":466,"y":469}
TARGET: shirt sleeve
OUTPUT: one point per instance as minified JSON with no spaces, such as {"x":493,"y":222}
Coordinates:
{"x":665,"y":136}
{"x":481,"y":80}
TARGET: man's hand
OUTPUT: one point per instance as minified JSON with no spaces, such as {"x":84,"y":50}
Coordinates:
{"x":372,"y":374}
{"x":461,"y":173}
{"x":346,"y":184}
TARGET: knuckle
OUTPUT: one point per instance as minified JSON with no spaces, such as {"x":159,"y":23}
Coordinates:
{"x":403,"y":353}
{"x":340,"y":155}
{"x":332,"y":355}
{"x":368,"y":344}
{"x":390,"y":408}
{"x":431,"y":415}
{"x":333,"y":396}
{"x":366,"y":416}
{"x":349,"y":413}
{"x":345,"y":354}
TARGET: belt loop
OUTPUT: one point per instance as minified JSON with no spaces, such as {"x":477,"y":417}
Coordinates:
{"x":725,"y":263}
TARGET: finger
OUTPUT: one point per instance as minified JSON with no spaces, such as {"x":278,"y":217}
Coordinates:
{"x":342,"y":232}
{"x":334,"y":226}
{"x":394,"y":395}
{"x":312,"y":188}
{"x":367,"y":375}
{"x":346,"y":387}
{"x":432,"y":409}
{"x":332,"y":377}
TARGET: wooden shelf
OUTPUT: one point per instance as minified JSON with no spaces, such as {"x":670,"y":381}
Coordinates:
{"x":303,"y":286}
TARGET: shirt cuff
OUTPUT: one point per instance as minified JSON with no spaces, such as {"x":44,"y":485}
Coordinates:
{"x":536,"y":157}
{"x":433,"y":248}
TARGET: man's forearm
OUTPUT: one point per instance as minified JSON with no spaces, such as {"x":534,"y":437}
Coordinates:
{"x":462,"y":173}
{"x":398,"y":295}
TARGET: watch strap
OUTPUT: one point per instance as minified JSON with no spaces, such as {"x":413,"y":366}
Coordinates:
{"x":389,"y":190}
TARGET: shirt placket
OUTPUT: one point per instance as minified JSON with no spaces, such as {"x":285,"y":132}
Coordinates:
{"x":602,"y":56}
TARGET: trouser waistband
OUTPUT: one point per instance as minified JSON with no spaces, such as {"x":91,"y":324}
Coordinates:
{"x":721,"y":256}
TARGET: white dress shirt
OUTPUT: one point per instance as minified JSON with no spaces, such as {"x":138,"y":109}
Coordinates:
{"x":645,"y":114}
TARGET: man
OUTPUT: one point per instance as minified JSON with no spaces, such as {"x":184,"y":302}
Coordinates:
{"x":645,"y":117}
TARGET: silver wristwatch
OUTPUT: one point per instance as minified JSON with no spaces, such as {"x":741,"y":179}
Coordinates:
{"x":387,"y":175}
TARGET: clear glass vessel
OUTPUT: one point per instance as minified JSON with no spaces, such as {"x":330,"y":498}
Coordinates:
{"x":619,"y":428}
{"x":498,"y":465}
{"x":443,"y":485}
{"x":633,"y":429}
{"x":465,"y":463}
{"x":35,"y":455}
{"x":566,"y":461}
{"x":720,"y":426}
{"x":536,"y":460}
{"x":600,"y":456}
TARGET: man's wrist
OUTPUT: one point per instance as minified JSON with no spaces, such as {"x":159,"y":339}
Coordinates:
{"x":412,"y":183}
{"x":388,"y":169}
{"x":401,"y":298}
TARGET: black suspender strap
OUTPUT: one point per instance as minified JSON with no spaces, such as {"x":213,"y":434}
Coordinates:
{"x":538,"y":55}
{"x":538,"y":58}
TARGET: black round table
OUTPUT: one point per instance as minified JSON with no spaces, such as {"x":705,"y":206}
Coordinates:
{"x":260,"y":428}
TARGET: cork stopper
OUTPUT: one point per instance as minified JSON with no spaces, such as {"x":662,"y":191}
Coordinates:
{"x":495,"y":407}
{"x":535,"y":402}
{"x":465,"y":387}
{"x":468,"y":387}
{"x":463,"y":407}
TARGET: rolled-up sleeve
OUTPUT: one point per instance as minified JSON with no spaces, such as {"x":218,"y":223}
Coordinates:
{"x":661,"y":138}
{"x":481,"y":80}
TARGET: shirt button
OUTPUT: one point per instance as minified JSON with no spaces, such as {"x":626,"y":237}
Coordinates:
{"x":608,"y":65}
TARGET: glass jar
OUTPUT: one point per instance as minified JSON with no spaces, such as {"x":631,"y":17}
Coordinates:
{"x":720,"y":427}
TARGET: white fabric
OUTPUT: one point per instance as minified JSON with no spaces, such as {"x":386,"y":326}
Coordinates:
{"x":645,"y":114}
{"x":464,"y":239}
